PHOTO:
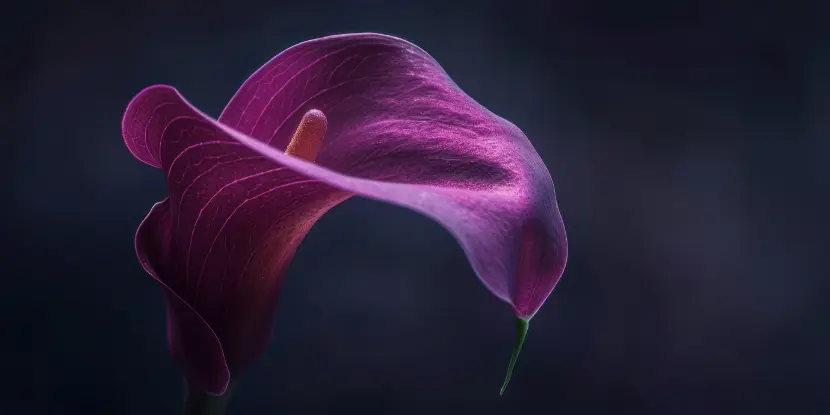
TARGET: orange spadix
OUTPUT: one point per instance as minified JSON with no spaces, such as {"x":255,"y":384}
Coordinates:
{"x":307,"y":139}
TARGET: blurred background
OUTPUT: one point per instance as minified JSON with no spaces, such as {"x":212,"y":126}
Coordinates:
{"x":689,"y":146}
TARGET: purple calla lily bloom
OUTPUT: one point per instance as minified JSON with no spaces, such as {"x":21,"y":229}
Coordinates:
{"x":359,"y":114}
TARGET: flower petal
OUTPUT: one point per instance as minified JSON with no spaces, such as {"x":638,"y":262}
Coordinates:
{"x":399,"y":130}
{"x":395,"y":115}
{"x":191,"y":341}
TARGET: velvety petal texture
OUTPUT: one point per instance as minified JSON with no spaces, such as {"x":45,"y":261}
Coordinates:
{"x":399,"y":130}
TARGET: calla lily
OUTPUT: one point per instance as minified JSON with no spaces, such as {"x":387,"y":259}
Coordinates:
{"x":327,"y":119}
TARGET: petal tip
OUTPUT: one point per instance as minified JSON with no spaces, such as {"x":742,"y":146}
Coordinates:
{"x":522,"y":325}
{"x":141,"y":111}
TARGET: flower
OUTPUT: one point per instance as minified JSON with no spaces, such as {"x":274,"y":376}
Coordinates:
{"x":360,"y":114}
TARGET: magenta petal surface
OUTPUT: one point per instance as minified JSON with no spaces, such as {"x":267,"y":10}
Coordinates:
{"x":189,"y":336}
{"x":399,"y":130}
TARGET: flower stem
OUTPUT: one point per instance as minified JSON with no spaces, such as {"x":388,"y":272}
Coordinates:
{"x":197,"y":402}
{"x":521,"y":332}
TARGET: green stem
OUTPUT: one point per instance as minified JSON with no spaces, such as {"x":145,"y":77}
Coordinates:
{"x":521,"y":332}
{"x":197,"y":402}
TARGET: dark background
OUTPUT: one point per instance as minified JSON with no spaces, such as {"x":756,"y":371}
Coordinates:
{"x":689,"y":146}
